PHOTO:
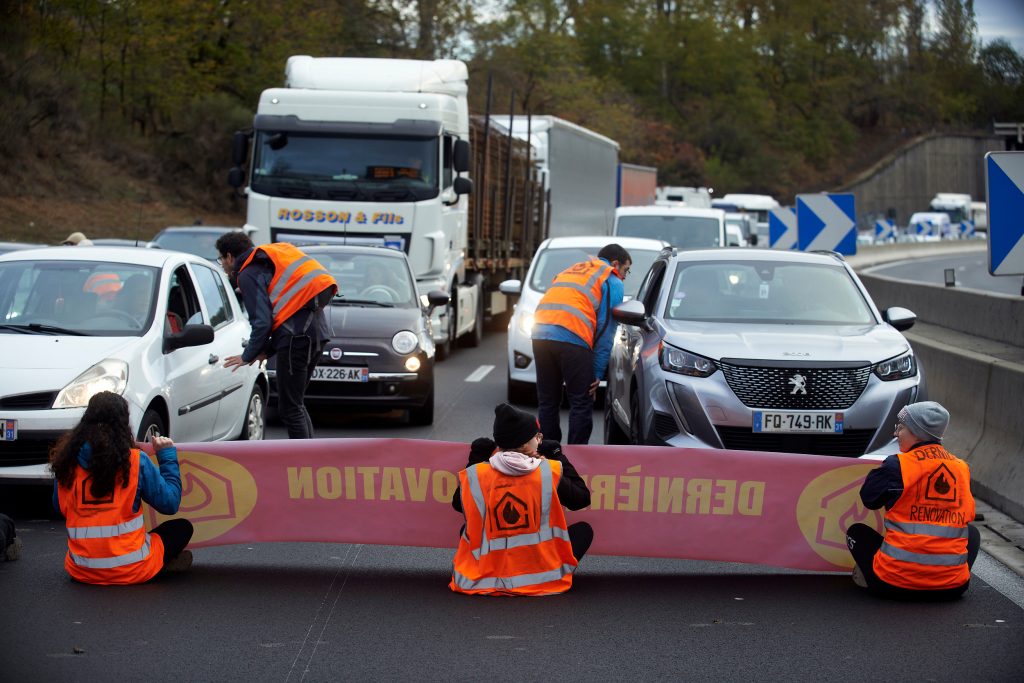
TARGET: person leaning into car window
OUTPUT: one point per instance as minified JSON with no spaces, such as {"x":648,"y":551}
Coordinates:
{"x":572,"y":339}
{"x":929,"y":547}
{"x":516,"y":540}
{"x":287,"y":317}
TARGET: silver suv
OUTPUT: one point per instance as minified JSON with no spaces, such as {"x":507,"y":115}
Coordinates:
{"x":759,"y":350}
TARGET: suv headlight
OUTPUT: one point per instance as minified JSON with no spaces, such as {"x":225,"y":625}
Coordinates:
{"x":900,"y":367}
{"x":404,"y":342}
{"x":525,"y":323}
{"x":107,"y":375}
{"x":684,"y":362}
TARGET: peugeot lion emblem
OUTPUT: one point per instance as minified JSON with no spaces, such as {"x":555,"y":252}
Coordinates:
{"x":799,"y":383}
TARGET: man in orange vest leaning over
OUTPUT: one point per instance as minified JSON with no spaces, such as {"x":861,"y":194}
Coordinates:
{"x":572,"y":339}
{"x":516,"y":540}
{"x":284,"y":291}
{"x":929,"y":547}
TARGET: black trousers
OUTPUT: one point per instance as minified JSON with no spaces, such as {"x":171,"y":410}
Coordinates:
{"x":561,"y":363}
{"x":296,"y":361}
{"x":175,"y":533}
{"x":581,"y":535}
{"x":7,"y":533}
{"x":864,"y":542}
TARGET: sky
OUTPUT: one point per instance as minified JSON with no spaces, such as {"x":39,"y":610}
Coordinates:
{"x":1001,"y":19}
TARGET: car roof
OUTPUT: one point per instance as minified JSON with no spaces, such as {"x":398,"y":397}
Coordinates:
{"x":200,"y":228}
{"x":143,"y":257}
{"x":354,"y":249}
{"x":734,"y":254}
{"x":669,"y":211}
{"x":591,"y":241}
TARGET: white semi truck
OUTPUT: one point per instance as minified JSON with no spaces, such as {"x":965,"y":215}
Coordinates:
{"x":377,"y":151}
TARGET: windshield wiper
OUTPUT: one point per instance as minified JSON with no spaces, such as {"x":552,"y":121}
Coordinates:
{"x":344,"y":301}
{"x":40,"y":328}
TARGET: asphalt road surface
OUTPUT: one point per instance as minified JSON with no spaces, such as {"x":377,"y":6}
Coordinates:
{"x":327,"y":612}
{"x":971,"y":272}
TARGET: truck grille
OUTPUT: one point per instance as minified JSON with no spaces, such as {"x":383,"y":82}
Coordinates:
{"x":850,"y":444}
{"x":772,"y":385}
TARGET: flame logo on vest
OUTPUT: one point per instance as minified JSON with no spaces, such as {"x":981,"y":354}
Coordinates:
{"x":510,"y":513}
{"x":216,"y":495}
{"x":941,"y":485}
{"x":829,"y":505}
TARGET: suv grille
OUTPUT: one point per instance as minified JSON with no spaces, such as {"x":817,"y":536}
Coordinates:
{"x":769,"y":385}
{"x":850,"y":444}
{"x":42,"y":400}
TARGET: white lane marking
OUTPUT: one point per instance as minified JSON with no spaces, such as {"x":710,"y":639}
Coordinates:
{"x":479,"y":373}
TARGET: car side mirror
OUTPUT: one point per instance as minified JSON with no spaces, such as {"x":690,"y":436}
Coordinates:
{"x":632,"y":312}
{"x":192,"y":335}
{"x":460,"y":156}
{"x":752,"y":240}
{"x":437,"y":298}
{"x":511,"y":287}
{"x":900,"y":318}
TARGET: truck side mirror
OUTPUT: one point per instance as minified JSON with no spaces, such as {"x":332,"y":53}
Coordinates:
{"x":239,"y":148}
{"x":236,"y":177}
{"x":462,"y":185}
{"x":460,"y":157}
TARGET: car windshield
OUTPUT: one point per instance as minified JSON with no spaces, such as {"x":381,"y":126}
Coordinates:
{"x":346,"y":168}
{"x":682,"y":232}
{"x":767,"y":292}
{"x":201,"y":243}
{"x":551,"y":262}
{"x":76,"y":297}
{"x":374,"y":279}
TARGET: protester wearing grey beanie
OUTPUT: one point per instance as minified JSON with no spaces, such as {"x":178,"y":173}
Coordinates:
{"x":927,"y":419}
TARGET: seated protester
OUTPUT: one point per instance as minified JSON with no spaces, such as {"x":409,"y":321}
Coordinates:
{"x":929,"y":547}
{"x":515,"y":540}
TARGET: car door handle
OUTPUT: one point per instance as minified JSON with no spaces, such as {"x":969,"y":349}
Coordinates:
{"x":213,"y":359}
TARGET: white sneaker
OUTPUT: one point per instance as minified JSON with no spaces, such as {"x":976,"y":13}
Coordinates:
{"x":858,"y":577}
{"x":13,"y":551}
{"x":181,"y":563}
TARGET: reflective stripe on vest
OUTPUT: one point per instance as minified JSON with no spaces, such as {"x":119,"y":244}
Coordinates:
{"x":111,"y":562}
{"x":573,"y":299}
{"x":927,"y":529}
{"x":80,"y":532}
{"x":922,"y":558}
{"x":512,"y":582}
{"x":297,"y":279}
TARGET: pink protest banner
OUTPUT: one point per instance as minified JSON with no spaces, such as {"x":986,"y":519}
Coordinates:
{"x":765,"y":508}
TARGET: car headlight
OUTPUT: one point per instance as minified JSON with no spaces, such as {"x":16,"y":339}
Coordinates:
{"x":526,"y":324}
{"x":404,"y":342}
{"x":107,"y":375}
{"x":899,"y":367}
{"x":685,"y":363}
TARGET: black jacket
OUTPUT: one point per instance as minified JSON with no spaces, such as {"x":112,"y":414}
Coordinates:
{"x":572,"y":490}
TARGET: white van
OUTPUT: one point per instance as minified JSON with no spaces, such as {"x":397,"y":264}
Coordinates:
{"x":929,"y":226}
{"x":682,"y":227}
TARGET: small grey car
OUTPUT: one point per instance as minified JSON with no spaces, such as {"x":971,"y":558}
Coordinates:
{"x":759,"y":350}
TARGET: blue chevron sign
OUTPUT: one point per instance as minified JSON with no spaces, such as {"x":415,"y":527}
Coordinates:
{"x":782,"y":228}
{"x":884,"y":230}
{"x":1004,"y":191}
{"x":826,"y":221}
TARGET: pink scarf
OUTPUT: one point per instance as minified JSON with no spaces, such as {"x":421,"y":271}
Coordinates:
{"x":513,"y":463}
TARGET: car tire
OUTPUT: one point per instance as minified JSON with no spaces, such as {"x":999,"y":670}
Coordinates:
{"x":636,"y":431}
{"x":254,"y":424}
{"x":614,"y":435}
{"x":424,"y":414}
{"x":521,"y":393}
{"x":152,"y":424}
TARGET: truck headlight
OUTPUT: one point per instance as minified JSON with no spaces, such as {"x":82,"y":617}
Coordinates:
{"x":404,"y":342}
{"x":684,"y":362}
{"x":107,"y":375}
{"x":900,"y":367}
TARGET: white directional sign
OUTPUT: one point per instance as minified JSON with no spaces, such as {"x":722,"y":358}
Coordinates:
{"x":1004,"y":190}
{"x":884,"y":230}
{"x":826,"y":221}
{"x":782,"y":228}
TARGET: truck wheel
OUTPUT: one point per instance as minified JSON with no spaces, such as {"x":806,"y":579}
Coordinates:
{"x":474,"y":338}
{"x":444,"y":350}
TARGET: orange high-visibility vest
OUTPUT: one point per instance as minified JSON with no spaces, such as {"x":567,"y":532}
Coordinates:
{"x":573,"y":299}
{"x":297,"y":279}
{"x":516,"y":541}
{"x":107,"y":541}
{"x":925,"y":545}
{"x":103,"y":285}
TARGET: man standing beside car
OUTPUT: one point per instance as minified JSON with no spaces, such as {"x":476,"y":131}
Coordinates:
{"x":284,"y":292}
{"x":572,"y":339}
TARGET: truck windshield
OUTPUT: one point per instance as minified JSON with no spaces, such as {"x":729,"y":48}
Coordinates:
{"x":682,"y":232}
{"x":345,"y":168}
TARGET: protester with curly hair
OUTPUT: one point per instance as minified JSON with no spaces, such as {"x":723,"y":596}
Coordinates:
{"x":101,"y":480}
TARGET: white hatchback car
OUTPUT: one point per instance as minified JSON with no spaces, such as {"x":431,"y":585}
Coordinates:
{"x":553,"y":256}
{"x":151,"y":325}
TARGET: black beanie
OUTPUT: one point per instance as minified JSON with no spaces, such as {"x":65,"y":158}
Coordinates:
{"x":513,"y":427}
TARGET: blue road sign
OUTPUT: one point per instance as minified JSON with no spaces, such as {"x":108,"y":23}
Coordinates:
{"x":884,"y":230}
{"x":1004,"y":190}
{"x":826,"y":221}
{"x":923,"y":228}
{"x":782,"y":228}
{"x":967,"y":228}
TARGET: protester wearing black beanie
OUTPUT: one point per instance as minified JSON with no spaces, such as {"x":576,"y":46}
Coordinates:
{"x":513,"y":427}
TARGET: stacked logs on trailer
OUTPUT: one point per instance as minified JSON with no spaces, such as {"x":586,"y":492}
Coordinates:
{"x":508,"y":207}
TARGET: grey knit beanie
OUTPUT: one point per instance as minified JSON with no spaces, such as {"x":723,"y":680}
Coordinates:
{"x":926,"y":419}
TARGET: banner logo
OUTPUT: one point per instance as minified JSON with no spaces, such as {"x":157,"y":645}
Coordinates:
{"x":828,"y":506}
{"x":216,"y":495}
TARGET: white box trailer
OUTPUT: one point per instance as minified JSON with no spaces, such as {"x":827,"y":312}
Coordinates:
{"x":579,"y":169}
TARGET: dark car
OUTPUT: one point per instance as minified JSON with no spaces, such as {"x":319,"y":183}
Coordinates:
{"x":380,"y":355}
{"x":200,"y":240}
